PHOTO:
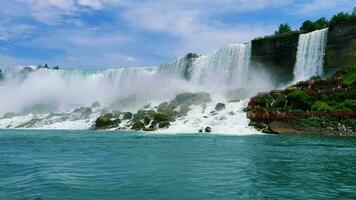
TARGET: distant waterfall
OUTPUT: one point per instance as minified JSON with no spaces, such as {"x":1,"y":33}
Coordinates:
{"x":310,"y":55}
{"x":180,"y":67}
{"x":227,"y":66}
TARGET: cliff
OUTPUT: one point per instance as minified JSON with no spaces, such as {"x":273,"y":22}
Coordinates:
{"x":276,"y":54}
{"x":340,"y":47}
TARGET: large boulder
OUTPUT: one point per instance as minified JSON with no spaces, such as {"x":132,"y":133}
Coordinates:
{"x":187,"y":99}
{"x":220,"y":107}
{"x":137,"y":125}
{"x":106,"y":122}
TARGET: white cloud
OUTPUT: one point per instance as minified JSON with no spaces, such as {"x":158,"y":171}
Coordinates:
{"x":94,"y":4}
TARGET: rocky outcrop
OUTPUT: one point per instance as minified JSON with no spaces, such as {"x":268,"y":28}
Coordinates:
{"x":276,"y":54}
{"x":340,"y":47}
{"x":314,"y":107}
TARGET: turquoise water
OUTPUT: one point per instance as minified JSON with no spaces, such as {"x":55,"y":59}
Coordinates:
{"x":97,"y":165}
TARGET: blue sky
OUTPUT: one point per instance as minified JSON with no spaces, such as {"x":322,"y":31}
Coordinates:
{"x":120,"y":33}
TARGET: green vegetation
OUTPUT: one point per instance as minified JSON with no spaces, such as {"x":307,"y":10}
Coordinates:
{"x":322,"y":107}
{"x":348,"y":74}
{"x":309,"y":26}
{"x":343,"y":18}
{"x":299,"y":99}
{"x":283,"y":28}
{"x":315,"y":121}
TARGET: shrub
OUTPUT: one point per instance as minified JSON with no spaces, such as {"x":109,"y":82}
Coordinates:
{"x":309,"y":26}
{"x":322,"y":106}
{"x":342,"y":18}
{"x":298,"y":99}
{"x":283,"y":28}
{"x":315,"y":121}
{"x":350,"y":104}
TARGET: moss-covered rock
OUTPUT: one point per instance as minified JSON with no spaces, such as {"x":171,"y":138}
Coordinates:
{"x":164,"y":124}
{"x":137,"y":125}
{"x":127,"y":115}
{"x":106,"y":122}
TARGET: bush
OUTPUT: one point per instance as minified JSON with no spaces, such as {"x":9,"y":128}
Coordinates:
{"x":342,"y":18}
{"x":322,"y":107}
{"x":298,"y":99}
{"x":309,"y":26}
{"x":315,"y":121}
{"x":350,"y":104}
{"x":283,"y":28}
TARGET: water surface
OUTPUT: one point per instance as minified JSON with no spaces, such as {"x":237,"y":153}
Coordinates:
{"x":110,"y":165}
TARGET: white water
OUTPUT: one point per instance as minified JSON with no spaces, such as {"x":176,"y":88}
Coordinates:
{"x":64,"y":90}
{"x":310,"y":55}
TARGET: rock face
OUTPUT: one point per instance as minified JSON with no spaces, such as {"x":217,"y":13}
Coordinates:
{"x":190,"y":57}
{"x":276,"y":54}
{"x":340,"y":47}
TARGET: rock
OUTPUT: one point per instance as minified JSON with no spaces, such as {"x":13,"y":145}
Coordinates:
{"x":9,"y":115}
{"x":188,"y":98}
{"x":127,"y":115}
{"x":200,"y":130}
{"x":137,"y":126}
{"x":282,"y":128}
{"x":95,"y":104}
{"x":220,"y":107}
{"x":164,"y":124}
{"x":85,"y":111}
{"x":159,"y":117}
{"x":1,"y":75}
{"x":146,"y":120}
{"x":28,"y":124}
{"x":106,"y":122}
{"x":208,"y":129}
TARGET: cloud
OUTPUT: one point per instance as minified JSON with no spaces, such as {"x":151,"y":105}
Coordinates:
{"x":94,"y":4}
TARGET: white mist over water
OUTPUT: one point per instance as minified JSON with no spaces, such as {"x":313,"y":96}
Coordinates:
{"x":310,"y":55}
{"x":66,"y":89}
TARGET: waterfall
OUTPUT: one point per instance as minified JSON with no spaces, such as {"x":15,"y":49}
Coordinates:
{"x":225,"y":67}
{"x":180,"y":67}
{"x":310,"y":55}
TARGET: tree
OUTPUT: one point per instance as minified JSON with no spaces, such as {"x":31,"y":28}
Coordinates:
{"x":283,"y":28}
{"x":309,"y":26}
{"x":354,"y":11}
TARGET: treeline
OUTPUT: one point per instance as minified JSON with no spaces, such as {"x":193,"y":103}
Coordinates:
{"x":46,"y":67}
{"x":309,"y":26}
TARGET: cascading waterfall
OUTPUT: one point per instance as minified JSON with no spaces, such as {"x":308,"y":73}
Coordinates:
{"x":25,"y":91}
{"x":310,"y":55}
{"x":225,"y":67}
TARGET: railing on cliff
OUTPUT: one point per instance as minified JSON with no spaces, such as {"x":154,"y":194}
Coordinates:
{"x":289,"y":116}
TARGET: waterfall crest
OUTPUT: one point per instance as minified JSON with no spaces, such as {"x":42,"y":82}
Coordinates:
{"x":310,"y":55}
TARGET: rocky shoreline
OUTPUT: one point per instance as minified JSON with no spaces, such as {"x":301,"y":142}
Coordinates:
{"x":314,"y":107}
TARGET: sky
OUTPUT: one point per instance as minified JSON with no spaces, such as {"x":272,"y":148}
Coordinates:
{"x":96,"y":34}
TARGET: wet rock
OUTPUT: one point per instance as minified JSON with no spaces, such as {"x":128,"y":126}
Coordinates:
{"x":9,"y":115}
{"x":95,"y":104}
{"x":200,"y":130}
{"x":188,"y":98}
{"x":106,"y":122}
{"x":28,"y":124}
{"x":208,"y":129}
{"x":164,"y":124}
{"x":146,"y":120}
{"x":137,"y":125}
{"x":127,"y":115}
{"x":220,"y":107}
